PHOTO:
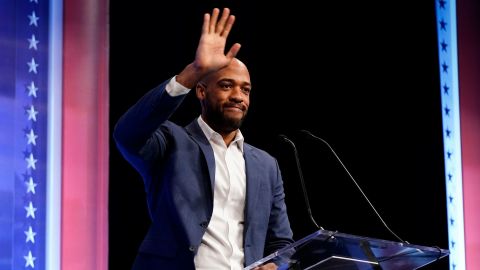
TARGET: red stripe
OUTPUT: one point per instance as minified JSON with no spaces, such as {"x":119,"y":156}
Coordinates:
{"x":469,"y":82}
{"x":85,"y":136}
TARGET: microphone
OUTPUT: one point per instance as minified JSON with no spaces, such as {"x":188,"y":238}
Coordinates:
{"x":355,"y":182}
{"x":304,"y":189}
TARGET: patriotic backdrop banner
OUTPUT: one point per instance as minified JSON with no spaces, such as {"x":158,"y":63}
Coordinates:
{"x":23,"y":105}
{"x":54,"y":134}
{"x":458,"y":43}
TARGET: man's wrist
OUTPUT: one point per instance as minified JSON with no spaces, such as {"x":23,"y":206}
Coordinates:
{"x":174,"y":88}
{"x":189,"y":76}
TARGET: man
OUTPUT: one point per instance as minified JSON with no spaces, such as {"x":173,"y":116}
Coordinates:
{"x":215,"y":201}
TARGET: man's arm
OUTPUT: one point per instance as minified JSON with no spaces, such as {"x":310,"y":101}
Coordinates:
{"x":135,"y":133}
{"x":135,"y":128}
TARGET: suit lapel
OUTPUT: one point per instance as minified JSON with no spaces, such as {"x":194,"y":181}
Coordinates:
{"x":197,"y":134}
{"x":252,"y":168}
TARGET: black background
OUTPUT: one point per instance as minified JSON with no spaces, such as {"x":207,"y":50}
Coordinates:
{"x":361,"y":75}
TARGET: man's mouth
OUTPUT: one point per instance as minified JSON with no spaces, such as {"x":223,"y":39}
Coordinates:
{"x":234,"y":107}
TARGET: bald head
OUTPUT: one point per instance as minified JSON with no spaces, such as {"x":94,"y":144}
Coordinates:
{"x":234,"y":67}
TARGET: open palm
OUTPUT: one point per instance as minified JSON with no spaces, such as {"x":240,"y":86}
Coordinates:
{"x":210,"y":55}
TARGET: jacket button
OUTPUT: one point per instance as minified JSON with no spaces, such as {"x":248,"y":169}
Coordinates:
{"x":204,"y":224}
{"x":192,"y":248}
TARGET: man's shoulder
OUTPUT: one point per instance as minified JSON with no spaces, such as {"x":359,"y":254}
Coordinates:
{"x":257,"y":151}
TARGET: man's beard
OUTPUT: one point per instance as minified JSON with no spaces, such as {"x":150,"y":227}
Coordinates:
{"x":221,"y":123}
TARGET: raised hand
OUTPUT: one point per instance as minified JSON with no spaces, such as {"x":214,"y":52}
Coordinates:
{"x":210,"y":54}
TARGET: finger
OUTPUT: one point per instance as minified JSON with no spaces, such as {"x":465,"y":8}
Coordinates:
{"x":213,"y":20}
{"x":233,"y":50}
{"x":223,"y":20}
{"x":206,"y":23}
{"x":228,"y":26}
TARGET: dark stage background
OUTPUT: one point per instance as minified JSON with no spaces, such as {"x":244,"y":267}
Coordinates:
{"x":363,"y":75}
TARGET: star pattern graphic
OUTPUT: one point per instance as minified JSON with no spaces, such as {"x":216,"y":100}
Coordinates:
{"x":32,"y":42}
{"x":31,"y":36}
{"x":30,"y":185}
{"x":442,"y":3}
{"x":30,"y":210}
{"x":32,"y":66}
{"x":445,"y":89}
{"x":31,"y":137}
{"x":32,"y":113}
{"x":445,"y":67}
{"x":446,"y":76}
{"x":33,"y":19}
{"x":30,"y":235}
{"x":444,"y":46}
{"x":29,"y":260}
{"x":32,"y":90}
{"x":31,"y":161}
{"x":443,"y":25}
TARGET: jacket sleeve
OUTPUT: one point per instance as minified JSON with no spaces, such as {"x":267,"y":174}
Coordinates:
{"x":138,"y":133}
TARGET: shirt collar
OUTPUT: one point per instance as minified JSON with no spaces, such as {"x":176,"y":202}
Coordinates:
{"x":210,"y":134}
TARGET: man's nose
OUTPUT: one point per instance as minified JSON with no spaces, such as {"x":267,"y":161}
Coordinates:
{"x":237,"y":95}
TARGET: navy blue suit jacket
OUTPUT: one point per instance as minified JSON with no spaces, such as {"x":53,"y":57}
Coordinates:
{"x":178,"y":167}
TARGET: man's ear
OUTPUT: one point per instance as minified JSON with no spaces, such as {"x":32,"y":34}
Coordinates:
{"x":200,"y":90}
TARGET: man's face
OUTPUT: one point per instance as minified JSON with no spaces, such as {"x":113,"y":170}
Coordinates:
{"x":225,"y":97}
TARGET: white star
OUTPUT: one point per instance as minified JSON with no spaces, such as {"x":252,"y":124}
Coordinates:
{"x":30,"y":210}
{"x":32,"y":66}
{"x":33,"y":42}
{"x":30,"y":234}
{"x":32,"y":114}
{"x":29,"y":259}
{"x":34,"y":1}
{"x":32,"y":89}
{"x":31,"y":137}
{"x":30,"y":185}
{"x":31,"y":161}
{"x":33,"y":19}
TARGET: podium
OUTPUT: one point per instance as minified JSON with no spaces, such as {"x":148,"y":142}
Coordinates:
{"x":328,"y":250}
